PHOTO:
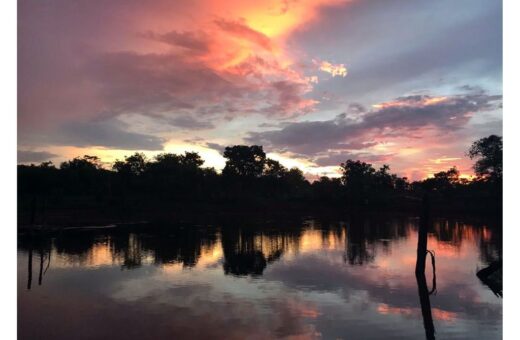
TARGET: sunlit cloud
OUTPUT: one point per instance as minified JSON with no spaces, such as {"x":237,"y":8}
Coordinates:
{"x":336,"y":70}
{"x":412,"y":101}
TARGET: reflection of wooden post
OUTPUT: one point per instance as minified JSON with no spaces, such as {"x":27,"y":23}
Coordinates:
{"x":422,"y":246}
{"x":48,"y":260}
{"x":41,"y":268}
{"x":426,"y":309}
{"x":29,"y":266}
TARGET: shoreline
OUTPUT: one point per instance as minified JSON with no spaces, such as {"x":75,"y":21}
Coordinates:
{"x":84,"y":219}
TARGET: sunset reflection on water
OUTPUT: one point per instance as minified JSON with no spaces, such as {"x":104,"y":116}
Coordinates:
{"x":310,"y":279}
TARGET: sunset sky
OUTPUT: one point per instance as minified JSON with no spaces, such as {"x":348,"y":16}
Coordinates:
{"x":409,"y":83}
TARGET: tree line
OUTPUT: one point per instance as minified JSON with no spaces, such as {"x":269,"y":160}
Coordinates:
{"x":250,"y":177}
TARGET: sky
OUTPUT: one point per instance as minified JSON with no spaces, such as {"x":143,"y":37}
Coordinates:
{"x":409,"y":83}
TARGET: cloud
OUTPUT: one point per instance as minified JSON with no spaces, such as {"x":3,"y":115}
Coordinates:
{"x":189,"y":65}
{"x":195,"y":42}
{"x":215,"y":146}
{"x":451,"y":44}
{"x":241,"y":30}
{"x":26,"y":156}
{"x":356,"y":108}
{"x":171,"y":85}
{"x":336,"y":70}
{"x":107,"y":133}
{"x":158,"y":83}
{"x":226,"y":60}
{"x":387,"y":120}
{"x":289,"y":98}
{"x":189,"y":123}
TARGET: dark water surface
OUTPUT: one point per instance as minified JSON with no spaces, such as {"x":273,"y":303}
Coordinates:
{"x":351,"y":279}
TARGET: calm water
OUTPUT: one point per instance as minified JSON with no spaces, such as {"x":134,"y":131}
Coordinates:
{"x":351,"y":279}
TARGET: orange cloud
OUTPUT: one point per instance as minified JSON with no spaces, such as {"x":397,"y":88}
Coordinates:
{"x":245,"y":43}
{"x":276,"y":18}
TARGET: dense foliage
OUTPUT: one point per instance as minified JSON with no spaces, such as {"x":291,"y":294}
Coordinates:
{"x":249,"y":177}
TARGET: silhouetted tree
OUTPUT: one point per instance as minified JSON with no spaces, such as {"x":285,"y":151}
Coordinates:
{"x":133,"y":165}
{"x":383,"y":178}
{"x":84,"y":176}
{"x":357,"y":178}
{"x":176,"y":175}
{"x":442,"y":181}
{"x":296,"y":184}
{"x":327,"y":189}
{"x":274,"y":169}
{"x":488,"y":152}
{"x":401,"y":184}
{"x":243,"y":160}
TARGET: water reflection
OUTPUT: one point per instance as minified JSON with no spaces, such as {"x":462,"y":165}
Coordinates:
{"x":420,"y":273}
{"x":330,"y":279}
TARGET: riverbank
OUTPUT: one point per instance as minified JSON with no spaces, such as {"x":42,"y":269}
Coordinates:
{"x":59,"y":218}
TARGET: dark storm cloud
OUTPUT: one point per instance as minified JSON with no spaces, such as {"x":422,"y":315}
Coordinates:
{"x":26,"y":156}
{"x":404,"y":115}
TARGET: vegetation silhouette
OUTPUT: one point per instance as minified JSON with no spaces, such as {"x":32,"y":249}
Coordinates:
{"x":249,"y":182}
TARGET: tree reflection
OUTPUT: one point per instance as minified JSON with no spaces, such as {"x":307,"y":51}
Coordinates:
{"x":365,"y":234}
{"x":247,"y":248}
{"x":41,"y":245}
{"x":359,"y":250}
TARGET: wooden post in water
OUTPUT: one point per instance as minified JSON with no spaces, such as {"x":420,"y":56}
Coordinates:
{"x":422,"y":247}
{"x":422,"y":242}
